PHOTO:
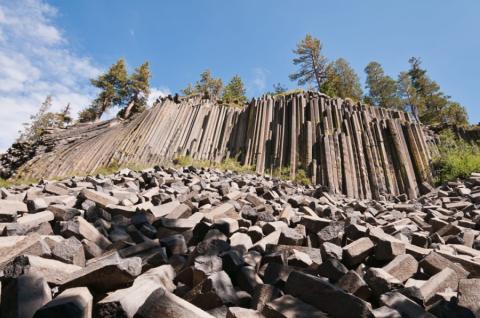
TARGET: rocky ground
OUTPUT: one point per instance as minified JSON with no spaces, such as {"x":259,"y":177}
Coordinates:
{"x":200,"y":243}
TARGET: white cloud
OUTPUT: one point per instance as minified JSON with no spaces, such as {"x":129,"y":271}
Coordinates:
{"x":36,"y":61}
{"x":156,"y":93}
{"x":257,"y":84}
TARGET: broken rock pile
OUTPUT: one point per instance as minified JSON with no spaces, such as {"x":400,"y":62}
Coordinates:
{"x":190,"y":242}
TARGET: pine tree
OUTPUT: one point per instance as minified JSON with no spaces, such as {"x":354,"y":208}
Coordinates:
{"x":382,"y":89}
{"x":234,"y":91}
{"x":137,"y":91}
{"x":342,"y":81}
{"x":427,"y":100}
{"x":208,"y":85}
{"x":189,"y":90}
{"x":113,"y":88}
{"x":43,"y":120}
{"x":64,"y":116}
{"x":408,"y":94}
{"x":454,"y":114}
{"x":311,"y":61}
{"x":88,"y":114}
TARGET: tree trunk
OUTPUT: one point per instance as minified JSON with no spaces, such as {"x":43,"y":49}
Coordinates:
{"x":128,"y":110}
{"x":315,"y":71}
{"x":102,"y":110}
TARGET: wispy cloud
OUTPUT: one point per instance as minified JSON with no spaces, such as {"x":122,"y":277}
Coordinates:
{"x":257,"y":83}
{"x":156,"y":93}
{"x":36,"y":61}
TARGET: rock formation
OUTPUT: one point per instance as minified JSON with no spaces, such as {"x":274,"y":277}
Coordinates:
{"x":356,"y":150}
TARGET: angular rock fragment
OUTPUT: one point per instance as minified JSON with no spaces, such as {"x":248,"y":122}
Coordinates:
{"x":353,"y":283}
{"x":105,"y":274}
{"x":126,"y":302}
{"x":404,"y":305}
{"x":23,"y":296}
{"x":469,"y":295}
{"x":99,"y":198}
{"x":439,"y":282}
{"x":162,"y":303}
{"x":325,"y":296}
{"x":214,"y":291}
{"x":402,"y":267}
{"x":355,"y":252}
{"x":291,"y":307}
{"x":74,"y":302}
{"x":70,"y":251}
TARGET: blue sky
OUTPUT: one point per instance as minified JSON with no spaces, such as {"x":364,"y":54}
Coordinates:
{"x":67,"y":42}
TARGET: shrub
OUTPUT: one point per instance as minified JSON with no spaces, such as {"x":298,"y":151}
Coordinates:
{"x":283,"y":173}
{"x":456,"y":159}
{"x":7,"y":183}
{"x":234,"y":165}
{"x":302,"y":177}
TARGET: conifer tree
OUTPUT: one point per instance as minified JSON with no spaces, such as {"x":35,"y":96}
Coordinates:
{"x":382,"y":89}
{"x":88,"y":114}
{"x":113,"y":88}
{"x":64,"y":116}
{"x":43,"y":120}
{"x":311,"y":62}
{"x":189,"y":90}
{"x":137,"y":91}
{"x":427,"y":100}
{"x":342,"y":81}
{"x":209,"y":85}
{"x":234,"y":91}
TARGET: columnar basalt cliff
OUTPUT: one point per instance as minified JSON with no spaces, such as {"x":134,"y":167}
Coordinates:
{"x":351,"y":149}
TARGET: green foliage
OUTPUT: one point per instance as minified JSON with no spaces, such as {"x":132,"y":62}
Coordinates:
{"x":382,"y":89}
{"x":113,"y":88}
{"x":43,"y":120}
{"x":234,"y":91}
{"x":88,"y":114}
{"x":137,"y":91}
{"x":302,"y":177}
{"x":312,"y":64}
{"x":283,"y":173}
{"x":454,"y":114}
{"x":425,"y":99}
{"x":114,"y":167}
{"x":5,"y":183}
{"x":291,"y":91}
{"x":187,"y":161}
{"x":280,"y":90}
{"x":117,"y":88}
{"x":456,"y":159}
{"x":189,"y":90}
{"x":342,"y":81}
{"x":207,"y":86}
{"x":231,"y":164}
{"x":8,"y":183}
{"x":64,"y":116}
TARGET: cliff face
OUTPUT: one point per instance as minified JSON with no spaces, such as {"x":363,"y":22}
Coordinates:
{"x":357,"y":150}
